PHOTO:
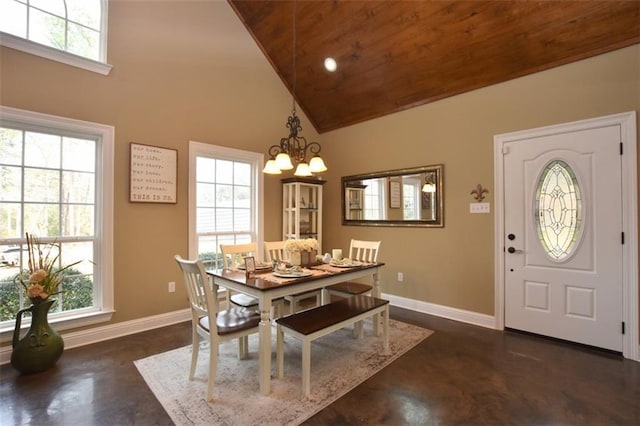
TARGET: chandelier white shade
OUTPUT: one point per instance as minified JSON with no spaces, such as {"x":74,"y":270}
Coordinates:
{"x":430,"y":183}
{"x":316,"y":165}
{"x":283,"y":161}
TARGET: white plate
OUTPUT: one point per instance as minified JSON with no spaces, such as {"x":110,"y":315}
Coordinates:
{"x":258,"y":267}
{"x":292,"y":274}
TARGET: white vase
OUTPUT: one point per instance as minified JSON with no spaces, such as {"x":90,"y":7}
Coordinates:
{"x":295,"y":258}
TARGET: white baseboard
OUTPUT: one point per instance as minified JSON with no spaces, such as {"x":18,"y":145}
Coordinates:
{"x":469,"y":317}
{"x":461,"y":315}
{"x":99,"y":334}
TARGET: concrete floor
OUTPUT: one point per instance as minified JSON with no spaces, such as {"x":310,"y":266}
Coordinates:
{"x":461,"y":375}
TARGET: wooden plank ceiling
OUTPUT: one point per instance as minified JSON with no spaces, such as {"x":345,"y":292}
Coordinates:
{"x":394,"y":55}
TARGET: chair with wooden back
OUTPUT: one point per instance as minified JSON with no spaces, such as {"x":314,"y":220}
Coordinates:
{"x":233,"y":256}
{"x":364,"y":251}
{"x":210,"y":323}
{"x":274,"y":250}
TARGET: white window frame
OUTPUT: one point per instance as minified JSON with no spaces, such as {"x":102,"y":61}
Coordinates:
{"x":378,"y":197}
{"x":25,"y":45}
{"x":199,"y":149}
{"x":105,"y":135}
{"x":414,"y":186}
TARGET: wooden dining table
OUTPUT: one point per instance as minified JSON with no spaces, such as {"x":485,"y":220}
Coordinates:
{"x":266,"y":287}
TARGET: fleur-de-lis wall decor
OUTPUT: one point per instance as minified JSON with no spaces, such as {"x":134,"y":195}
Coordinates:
{"x":478,"y":193}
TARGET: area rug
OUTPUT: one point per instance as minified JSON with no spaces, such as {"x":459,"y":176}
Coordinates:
{"x":339,"y":362}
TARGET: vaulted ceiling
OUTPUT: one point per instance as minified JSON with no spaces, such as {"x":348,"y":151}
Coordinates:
{"x":394,"y":55}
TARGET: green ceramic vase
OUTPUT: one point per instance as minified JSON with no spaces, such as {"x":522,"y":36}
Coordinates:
{"x":41,"y":346}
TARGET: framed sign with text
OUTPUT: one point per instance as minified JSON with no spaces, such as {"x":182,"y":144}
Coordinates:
{"x":153,"y":174}
{"x":394,"y":195}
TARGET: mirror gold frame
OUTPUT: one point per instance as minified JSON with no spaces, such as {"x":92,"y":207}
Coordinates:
{"x":403,"y":197}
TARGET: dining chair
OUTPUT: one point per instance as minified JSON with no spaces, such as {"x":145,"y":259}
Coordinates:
{"x":232,"y":257}
{"x":364,"y":251}
{"x":208,"y":322}
{"x":274,"y":250}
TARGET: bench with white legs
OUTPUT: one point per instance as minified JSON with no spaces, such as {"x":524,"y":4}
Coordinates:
{"x":322,"y":320}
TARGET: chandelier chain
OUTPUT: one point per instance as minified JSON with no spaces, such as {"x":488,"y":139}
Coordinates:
{"x":293,"y":108}
{"x":294,"y":148}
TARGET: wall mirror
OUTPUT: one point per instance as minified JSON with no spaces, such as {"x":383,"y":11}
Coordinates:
{"x":403,"y":197}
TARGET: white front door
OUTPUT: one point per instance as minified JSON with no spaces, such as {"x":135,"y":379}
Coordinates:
{"x":563,"y":236}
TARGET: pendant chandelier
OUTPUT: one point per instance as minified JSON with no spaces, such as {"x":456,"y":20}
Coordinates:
{"x":294,"y":149}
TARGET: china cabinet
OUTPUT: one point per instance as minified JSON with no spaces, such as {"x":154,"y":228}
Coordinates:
{"x":302,"y":208}
{"x":354,"y":202}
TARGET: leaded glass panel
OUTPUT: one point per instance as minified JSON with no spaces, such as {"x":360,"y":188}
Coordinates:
{"x":558,"y":208}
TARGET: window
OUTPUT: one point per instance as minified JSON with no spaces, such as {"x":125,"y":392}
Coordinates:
{"x":56,"y":183}
{"x":558,"y":206}
{"x":374,"y":203}
{"x":73,"y":32}
{"x":411,"y":198}
{"x":224,"y":206}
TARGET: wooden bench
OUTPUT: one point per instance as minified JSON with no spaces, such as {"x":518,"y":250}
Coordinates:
{"x":322,"y":320}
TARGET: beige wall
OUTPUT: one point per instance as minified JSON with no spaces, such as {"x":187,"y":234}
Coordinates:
{"x":188,"y":70}
{"x":453,"y":266}
{"x":182,"y":71}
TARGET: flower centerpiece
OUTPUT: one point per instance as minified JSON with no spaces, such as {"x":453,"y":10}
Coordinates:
{"x":302,"y":251}
{"x":41,"y":347}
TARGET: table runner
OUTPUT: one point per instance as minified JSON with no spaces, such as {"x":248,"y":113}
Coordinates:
{"x":317,"y":270}
{"x":335,"y":269}
{"x":270,"y":277}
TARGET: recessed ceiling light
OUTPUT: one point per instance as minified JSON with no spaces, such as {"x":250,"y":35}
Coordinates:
{"x":330,"y":64}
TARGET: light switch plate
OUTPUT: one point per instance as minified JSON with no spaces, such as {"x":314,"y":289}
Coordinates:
{"x":479,"y":208}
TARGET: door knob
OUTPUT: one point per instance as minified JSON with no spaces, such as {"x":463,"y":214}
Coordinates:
{"x":513,"y":250}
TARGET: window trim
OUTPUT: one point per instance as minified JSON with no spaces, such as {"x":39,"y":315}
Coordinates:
{"x":379,"y":197}
{"x":199,"y":149}
{"x":104,"y":221}
{"x":415,"y":186}
{"x":28,"y":46}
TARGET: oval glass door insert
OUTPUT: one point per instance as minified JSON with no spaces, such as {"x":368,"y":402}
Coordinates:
{"x":558,"y":208}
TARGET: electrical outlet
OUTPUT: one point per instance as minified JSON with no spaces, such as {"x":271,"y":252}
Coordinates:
{"x":400,"y":277}
{"x":172,"y":286}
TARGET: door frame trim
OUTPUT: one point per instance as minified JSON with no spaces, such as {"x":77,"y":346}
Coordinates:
{"x":630,"y":302}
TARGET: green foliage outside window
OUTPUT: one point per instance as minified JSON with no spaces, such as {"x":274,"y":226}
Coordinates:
{"x":77,"y":294}
{"x":211,"y":260}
